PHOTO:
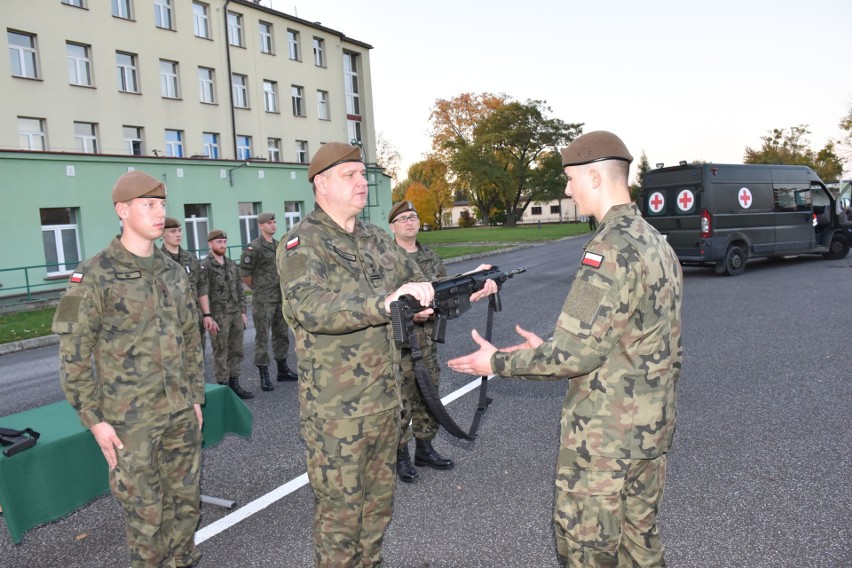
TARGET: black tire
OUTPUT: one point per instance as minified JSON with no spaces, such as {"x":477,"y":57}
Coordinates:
{"x":735,"y":261}
{"x":838,"y":249}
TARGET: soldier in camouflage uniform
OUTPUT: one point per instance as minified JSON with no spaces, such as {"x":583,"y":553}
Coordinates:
{"x":131,"y":365}
{"x":172,"y":236}
{"x":227,"y":312}
{"x":261,"y":276}
{"x":619,"y":339}
{"x":338,"y":278}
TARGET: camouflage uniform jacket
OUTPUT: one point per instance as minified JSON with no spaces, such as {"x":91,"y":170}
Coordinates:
{"x":619,"y":334}
{"x":193,"y":269}
{"x":259,"y":263}
{"x":334,"y":284}
{"x":432,"y":268}
{"x":224,"y":287}
{"x":129,"y":347}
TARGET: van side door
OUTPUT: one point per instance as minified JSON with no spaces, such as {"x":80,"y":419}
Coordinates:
{"x":794,"y":226}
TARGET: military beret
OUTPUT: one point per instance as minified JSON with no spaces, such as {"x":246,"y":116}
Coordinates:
{"x":216,"y":234}
{"x":137,"y":184}
{"x":400,"y":207}
{"x":595,"y":146}
{"x":265,"y":217}
{"x":171,"y":223}
{"x":331,"y":154}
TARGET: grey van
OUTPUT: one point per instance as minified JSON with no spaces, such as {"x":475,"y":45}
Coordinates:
{"x":724,"y":214}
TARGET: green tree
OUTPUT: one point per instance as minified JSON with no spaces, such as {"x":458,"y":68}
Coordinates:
{"x":641,"y":169}
{"x":433,"y":174}
{"x":789,"y":146}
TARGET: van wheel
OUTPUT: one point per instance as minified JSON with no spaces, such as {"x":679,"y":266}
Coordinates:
{"x":839,"y":248}
{"x":735,"y":261}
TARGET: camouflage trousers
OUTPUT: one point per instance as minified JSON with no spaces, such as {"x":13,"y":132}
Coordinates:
{"x":351,"y":465}
{"x":227,"y":346}
{"x":605,"y":511}
{"x":156,"y":481}
{"x":268,"y":316}
{"x":415,"y":412}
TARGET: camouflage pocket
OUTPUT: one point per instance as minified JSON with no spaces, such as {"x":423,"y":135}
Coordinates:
{"x":588,"y":507}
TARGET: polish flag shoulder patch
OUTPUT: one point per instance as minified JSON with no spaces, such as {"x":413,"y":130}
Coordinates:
{"x":76,"y":278}
{"x":592,"y":259}
{"x":292,"y":243}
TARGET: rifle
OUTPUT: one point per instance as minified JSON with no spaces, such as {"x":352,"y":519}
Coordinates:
{"x":452,"y":299}
{"x":17,"y":440}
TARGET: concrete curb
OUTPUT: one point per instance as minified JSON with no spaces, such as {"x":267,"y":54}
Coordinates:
{"x":34,"y":343}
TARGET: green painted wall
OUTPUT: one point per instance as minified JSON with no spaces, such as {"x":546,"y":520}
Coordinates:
{"x":30,"y":181}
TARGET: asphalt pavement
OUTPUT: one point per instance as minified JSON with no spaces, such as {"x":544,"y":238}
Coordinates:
{"x":758,"y":475}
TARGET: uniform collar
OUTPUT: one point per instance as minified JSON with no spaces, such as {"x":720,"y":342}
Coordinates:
{"x":121,"y":255}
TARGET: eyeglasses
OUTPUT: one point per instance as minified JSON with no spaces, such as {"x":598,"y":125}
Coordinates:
{"x":407,"y":218}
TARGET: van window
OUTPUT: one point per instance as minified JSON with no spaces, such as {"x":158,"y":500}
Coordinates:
{"x":670,"y":201}
{"x":791,"y":198}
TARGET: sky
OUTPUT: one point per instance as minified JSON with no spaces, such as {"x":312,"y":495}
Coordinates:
{"x":675,"y":79}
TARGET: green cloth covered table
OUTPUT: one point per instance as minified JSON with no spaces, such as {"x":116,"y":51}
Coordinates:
{"x":66,"y":469}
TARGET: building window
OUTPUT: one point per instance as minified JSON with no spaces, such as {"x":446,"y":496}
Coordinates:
{"x":298,"y":94}
{"x":322,"y":105}
{"x":86,"y":135}
{"x":31,"y":134}
{"x":211,"y":145}
{"x":270,"y":96}
{"x":535,"y":210}
{"x":169,"y":86}
{"x":163,"y":14}
{"x":201,"y":20}
{"x":206,"y":85}
{"x":248,"y":221}
{"x":59,"y":236}
{"x":353,"y":128}
{"x":174,"y":143}
{"x":238,"y":84}
{"x":292,"y":214}
{"x":243,"y":147}
{"x":235,"y":29}
{"x":79,"y":64}
{"x":133,"y":140}
{"x":274,"y":149}
{"x":301,"y":151}
{"x":319,"y":52}
{"x":555,"y":209}
{"x":76,"y":3}
{"x":122,"y":9}
{"x":350,"y":80}
{"x":128,"y":81}
{"x":265,"y":30}
{"x":293,"y":45}
{"x":23,"y":55}
{"x":196,"y":223}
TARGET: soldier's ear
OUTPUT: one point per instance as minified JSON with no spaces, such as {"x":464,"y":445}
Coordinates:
{"x":121,"y":210}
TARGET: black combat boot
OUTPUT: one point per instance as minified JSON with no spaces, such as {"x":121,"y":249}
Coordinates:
{"x":404,"y":470}
{"x":425,"y":454}
{"x":265,"y":383}
{"x":284,"y":372}
{"x":234,"y":383}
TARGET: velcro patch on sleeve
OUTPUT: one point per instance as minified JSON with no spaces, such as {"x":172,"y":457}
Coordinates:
{"x":294,"y":266}
{"x":583,"y":301}
{"x":592,"y":259}
{"x":292,"y":243}
{"x":68,"y":310}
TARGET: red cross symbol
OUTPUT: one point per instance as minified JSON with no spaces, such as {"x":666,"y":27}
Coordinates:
{"x":744,"y":197}
{"x":656,"y":202}
{"x":685,"y":199}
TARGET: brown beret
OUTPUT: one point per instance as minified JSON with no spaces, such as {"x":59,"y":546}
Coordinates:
{"x":331,"y":154}
{"x":400,"y":207}
{"x":137,"y":184}
{"x":216,"y":234}
{"x":595,"y":146}
{"x":265,"y":217}
{"x":171,"y":223}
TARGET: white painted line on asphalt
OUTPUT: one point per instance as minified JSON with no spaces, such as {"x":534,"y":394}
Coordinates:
{"x":279,"y":493}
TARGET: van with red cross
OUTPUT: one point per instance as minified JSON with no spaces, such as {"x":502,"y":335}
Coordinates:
{"x":722,"y":215}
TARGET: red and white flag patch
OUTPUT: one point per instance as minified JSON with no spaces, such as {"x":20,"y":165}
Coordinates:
{"x":292,"y":243}
{"x":76,"y":278}
{"x":592,"y":259}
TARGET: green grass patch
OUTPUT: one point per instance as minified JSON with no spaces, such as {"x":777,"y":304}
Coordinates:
{"x":448,"y":252}
{"x":519,"y":234}
{"x":25,"y":325}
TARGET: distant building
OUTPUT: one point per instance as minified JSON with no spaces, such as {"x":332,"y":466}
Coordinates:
{"x":555,"y":211}
{"x":224,"y":100}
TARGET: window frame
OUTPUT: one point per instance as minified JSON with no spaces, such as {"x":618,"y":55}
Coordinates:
{"x":64,"y":264}
{"x":244,"y":143}
{"x":235,"y":28}
{"x":293,"y":51}
{"x":323,"y":109}
{"x":210,"y":145}
{"x":297,"y":97}
{"x":301,"y":151}
{"x":87,"y":143}
{"x":273,"y":148}
{"x":27,"y":65}
{"x":163,"y":15}
{"x":124,"y":74}
{"x":240,"y":91}
{"x":136,"y":137}
{"x":207,"y":85}
{"x":122,"y":9}
{"x":169,"y":79}
{"x":79,"y":64}
{"x":266,"y":39}
{"x":201,"y":20}
{"x":31,"y":135}
{"x":319,"y":51}
{"x":174,"y":143}
{"x":270,"y":96}
{"x":247,"y":212}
